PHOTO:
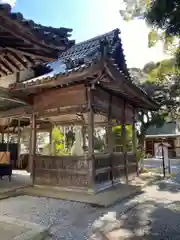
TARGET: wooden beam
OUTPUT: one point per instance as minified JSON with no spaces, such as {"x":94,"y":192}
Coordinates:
{"x":13,"y":61}
{"x":126,"y":84}
{"x":24,"y":52}
{"x":31,"y":60}
{"x":14,"y":43}
{"x":62,"y":80}
{"x":62,"y":111}
{"x":3,"y":72}
{"x":14,"y":100}
{"x":5,"y":65}
{"x":17,"y":112}
{"x":19,"y":58}
{"x":9,"y":63}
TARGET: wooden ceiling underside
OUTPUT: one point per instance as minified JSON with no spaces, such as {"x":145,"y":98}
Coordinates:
{"x":17,"y":53}
{"x":12,"y":61}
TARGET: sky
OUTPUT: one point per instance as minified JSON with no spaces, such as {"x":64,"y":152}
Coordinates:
{"x":89,"y":18}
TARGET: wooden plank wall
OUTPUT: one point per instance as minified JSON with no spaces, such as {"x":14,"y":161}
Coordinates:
{"x":65,"y":171}
{"x":60,"y":97}
{"x":101,"y":98}
{"x":110,"y":167}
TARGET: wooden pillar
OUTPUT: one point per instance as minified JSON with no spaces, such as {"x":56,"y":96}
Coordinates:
{"x":50,"y":141}
{"x":91,"y":138}
{"x":124,"y":141}
{"x":32,"y":151}
{"x":134,"y":139}
{"x":110,"y":139}
{"x":110,"y":135}
{"x":2,"y":137}
{"x":90,"y":123}
{"x":19,"y":162}
{"x":83,"y":131}
{"x":7,"y":145}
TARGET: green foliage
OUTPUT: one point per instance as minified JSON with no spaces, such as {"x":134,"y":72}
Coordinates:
{"x":134,"y":9}
{"x":58,"y":143}
{"x":57,"y":136}
{"x":117,"y":131}
{"x":163,"y":78}
{"x":162,"y":70}
{"x":163,"y":16}
{"x":153,"y":38}
{"x":117,"y":136}
{"x":163,"y":85}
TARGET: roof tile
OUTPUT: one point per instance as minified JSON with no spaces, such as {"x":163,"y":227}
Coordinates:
{"x":88,"y":51}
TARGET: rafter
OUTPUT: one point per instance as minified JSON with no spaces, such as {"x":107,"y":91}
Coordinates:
{"x":11,"y":63}
{"x":18,"y":58}
{"x":2,"y":72}
{"x":14,"y":61}
{"x":23,"y":52}
{"x":5,"y":64}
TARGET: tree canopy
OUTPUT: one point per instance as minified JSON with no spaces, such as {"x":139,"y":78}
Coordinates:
{"x":161,"y":81}
{"x":163,"y":16}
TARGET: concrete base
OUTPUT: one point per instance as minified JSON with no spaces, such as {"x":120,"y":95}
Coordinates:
{"x":15,"y":229}
{"x":102,"y":199}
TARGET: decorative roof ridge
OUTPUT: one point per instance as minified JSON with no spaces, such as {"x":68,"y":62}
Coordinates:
{"x":93,"y":39}
{"x":97,"y":37}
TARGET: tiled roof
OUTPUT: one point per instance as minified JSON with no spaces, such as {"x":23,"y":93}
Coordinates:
{"x":83,"y":55}
{"x":48,"y":35}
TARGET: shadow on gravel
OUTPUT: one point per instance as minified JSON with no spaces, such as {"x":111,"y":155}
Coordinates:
{"x":150,"y":220}
{"x":170,"y":186}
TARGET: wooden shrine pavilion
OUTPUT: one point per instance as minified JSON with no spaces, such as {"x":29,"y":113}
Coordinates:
{"x":87,"y":86}
{"x":25,"y":48}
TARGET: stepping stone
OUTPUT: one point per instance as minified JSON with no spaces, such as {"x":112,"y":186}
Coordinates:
{"x":15,"y":229}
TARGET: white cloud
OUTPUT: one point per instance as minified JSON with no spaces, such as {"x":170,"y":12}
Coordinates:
{"x":11,"y":2}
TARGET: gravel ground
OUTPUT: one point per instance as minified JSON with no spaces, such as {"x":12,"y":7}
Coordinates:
{"x":152,"y":220}
{"x":69,"y":220}
{"x":155,"y":215}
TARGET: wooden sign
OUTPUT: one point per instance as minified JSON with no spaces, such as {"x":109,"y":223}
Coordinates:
{"x":4,"y":157}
